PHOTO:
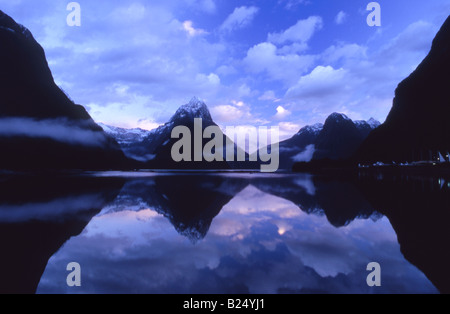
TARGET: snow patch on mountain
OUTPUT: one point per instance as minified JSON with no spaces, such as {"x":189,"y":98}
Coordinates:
{"x":125,"y":136}
{"x":194,"y":109}
{"x":372,"y":123}
{"x":338,"y":117}
{"x":314,"y":129}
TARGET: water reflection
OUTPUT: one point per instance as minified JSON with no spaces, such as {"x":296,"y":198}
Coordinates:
{"x":38,"y":216}
{"x":419,"y":210}
{"x":226,"y":233}
{"x":190,"y":202}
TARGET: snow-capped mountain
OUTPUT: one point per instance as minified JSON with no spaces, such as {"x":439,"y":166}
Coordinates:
{"x":373,"y":123}
{"x":309,"y":131}
{"x":300,"y":147}
{"x":194,"y":109}
{"x":125,"y":136}
{"x":155,"y":148}
{"x":367,"y":126}
{"x":338,"y":138}
{"x":341,"y":137}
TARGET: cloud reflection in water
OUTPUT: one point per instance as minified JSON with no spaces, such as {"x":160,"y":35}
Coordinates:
{"x":258,"y":243}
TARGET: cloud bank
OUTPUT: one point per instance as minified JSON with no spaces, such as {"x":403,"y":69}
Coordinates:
{"x":61,"y":130}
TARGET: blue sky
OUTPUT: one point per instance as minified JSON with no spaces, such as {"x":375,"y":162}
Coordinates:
{"x":284,"y":63}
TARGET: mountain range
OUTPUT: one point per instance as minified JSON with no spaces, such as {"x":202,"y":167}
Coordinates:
{"x":337,"y":139}
{"x":41,"y":128}
{"x":416,"y":128}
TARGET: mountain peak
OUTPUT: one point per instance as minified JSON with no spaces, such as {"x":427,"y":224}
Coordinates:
{"x":442,"y":40}
{"x":419,"y":117}
{"x":195,"y":100}
{"x":8,"y":23}
{"x":373,"y":123}
{"x":196,"y":108}
{"x":51,"y":131}
{"x":337,"y":117}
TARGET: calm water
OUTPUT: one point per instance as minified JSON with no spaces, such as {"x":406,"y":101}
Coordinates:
{"x":224,"y":233}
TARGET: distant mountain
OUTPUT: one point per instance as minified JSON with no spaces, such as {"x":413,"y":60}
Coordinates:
{"x":418,"y":125}
{"x":341,"y":137}
{"x":125,"y":136}
{"x":337,"y":139}
{"x":300,"y":147}
{"x":40,"y":127}
{"x":128,"y":139}
{"x":156,"y":148}
{"x":366,"y":127}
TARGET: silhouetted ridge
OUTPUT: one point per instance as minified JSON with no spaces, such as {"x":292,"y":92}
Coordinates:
{"x":40,"y":127}
{"x":417,"y":127}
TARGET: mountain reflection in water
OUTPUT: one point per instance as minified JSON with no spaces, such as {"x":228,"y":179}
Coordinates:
{"x":225,"y":233}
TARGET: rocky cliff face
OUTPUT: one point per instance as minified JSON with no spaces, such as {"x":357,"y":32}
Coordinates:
{"x":418,"y":124}
{"x":40,"y":127}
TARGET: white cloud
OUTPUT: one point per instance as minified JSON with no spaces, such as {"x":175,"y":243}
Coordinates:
{"x":289,"y":4}
{"x":285,"y":63}
{"x":135,"y":12}
{"x":345,"y":53}
{"x":244,"y":91}
{"x":208,"y":6}
{"x":235,"y":111}
{"x":306,"y":155}
{"x":320,"y":83}
{"x":416,"y":38}
{"x":141,"y":49}
{"x":151,"y":57}
{"x":294,"y":48}
{"x":189,"y":28}
{"x":211,"y":80}
{"x":282,"y":113}
{"x":61,"y":130}
{"x":288,"y":129}
{"x":240,"y":18}
{"x":301,"y":32}
{"x":341,"y":17}
{"x":269,"y":96}
{"x":264,"y":57}
{"x":238,"y":103}
{"x":226,"y":113}
{"x":358,"y":81}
